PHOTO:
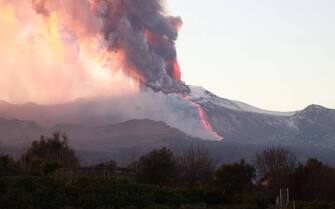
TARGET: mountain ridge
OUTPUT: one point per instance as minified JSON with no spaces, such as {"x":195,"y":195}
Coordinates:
{"x":97,"y":125}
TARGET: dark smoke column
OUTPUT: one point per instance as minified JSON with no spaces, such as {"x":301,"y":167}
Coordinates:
{"x":141,"y":30}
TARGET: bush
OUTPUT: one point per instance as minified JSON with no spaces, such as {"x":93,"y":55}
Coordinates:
{"x":315,"y":205}
{"x":87,"y":193}
{"x":47,"y":155}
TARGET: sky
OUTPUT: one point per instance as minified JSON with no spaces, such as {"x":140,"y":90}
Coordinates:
{"x":273,"y":54}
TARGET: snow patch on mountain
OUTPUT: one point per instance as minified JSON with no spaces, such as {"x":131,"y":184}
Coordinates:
{"x":201,"y":95}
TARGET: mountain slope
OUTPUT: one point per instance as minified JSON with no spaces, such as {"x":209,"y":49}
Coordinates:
{"x":97,"y":125}
{"x":18,"y":132}
{"x":128,"y":140}
{"x":126,"y":134}
{"x":313,"y":126}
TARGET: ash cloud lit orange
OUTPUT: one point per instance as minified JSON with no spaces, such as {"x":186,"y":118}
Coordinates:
{"x":54,"y":51}
{"x":49,"y":59}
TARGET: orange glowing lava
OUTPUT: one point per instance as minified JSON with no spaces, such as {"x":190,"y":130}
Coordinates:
{"x":173,"y":65}
{"x":203,"y":118}
{"x":176,"y":70}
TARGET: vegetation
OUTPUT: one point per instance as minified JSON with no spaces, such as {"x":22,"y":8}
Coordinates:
{"x":49,"y":154}
{"x":313,"y":181}
{"x":163,"y":180}
{"x":196,"y":167}
{"x":235,"y":179}
{"x":7,"y":165}
{"x":276,"y":164}
{"x":157,"y":167}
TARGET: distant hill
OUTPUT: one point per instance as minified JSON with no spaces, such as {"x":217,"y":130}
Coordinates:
{"x":18,"y":132}
{"x":124,"y":128}
{"x":126,"y":141}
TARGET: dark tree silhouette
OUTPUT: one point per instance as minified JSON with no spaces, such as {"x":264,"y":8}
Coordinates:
{"x":277,"y":164}
{"x":196,"y":166}
{"x":49,"y":154}
{"x":7,"y":165}
{"x":313,"y":181}
{"x":157,"y":167}
{"x":235,"y":178}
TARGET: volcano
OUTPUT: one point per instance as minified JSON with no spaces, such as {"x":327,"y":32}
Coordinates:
{"x":106,"y":126}
{"x":89,"y":67}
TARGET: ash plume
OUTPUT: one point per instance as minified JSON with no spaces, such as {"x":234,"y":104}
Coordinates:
{"x":61,"y":50}
{"x":141,"y":30}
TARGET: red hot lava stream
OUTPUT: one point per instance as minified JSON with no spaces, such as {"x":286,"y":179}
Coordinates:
{"x":203,"y":118}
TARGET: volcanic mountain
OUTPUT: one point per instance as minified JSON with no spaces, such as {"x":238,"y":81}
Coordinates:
{"x":122,"y":129}
{"x":239,"y":122}
{"x":120,"y":58}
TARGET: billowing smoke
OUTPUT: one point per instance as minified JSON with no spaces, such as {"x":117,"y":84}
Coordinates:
{"x":58,"y":56}
{"x":140,"y":30}
{"x":55,"y":51}
{"x":89,"y":47}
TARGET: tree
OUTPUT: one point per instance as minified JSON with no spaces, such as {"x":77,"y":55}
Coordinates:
{"x":157,"y":167}
{"x":49,"y":154}
{"x":7,"y":164}
{"x":277,"y":164}
{"x":235,"y":178}
{"x":196,"y":166}
{"x":313,"y":181}
{"x":1,"y":149}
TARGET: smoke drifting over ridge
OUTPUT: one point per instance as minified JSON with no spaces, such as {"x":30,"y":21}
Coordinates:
{"x":55,"y":51}
{"x":89,"y":47}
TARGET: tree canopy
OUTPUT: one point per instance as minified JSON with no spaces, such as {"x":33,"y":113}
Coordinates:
{"x":157,"y":167}
{"x":196,"y":166}
{"x":48,"y":154}
{"x":235,"y":178}
{"x":313,"y":181}
{"x":277,"y":164}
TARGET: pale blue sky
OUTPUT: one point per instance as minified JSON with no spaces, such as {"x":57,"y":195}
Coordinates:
{"x":274,"y":54}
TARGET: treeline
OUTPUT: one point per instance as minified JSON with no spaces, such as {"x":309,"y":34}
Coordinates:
{"x":162,"y":179}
